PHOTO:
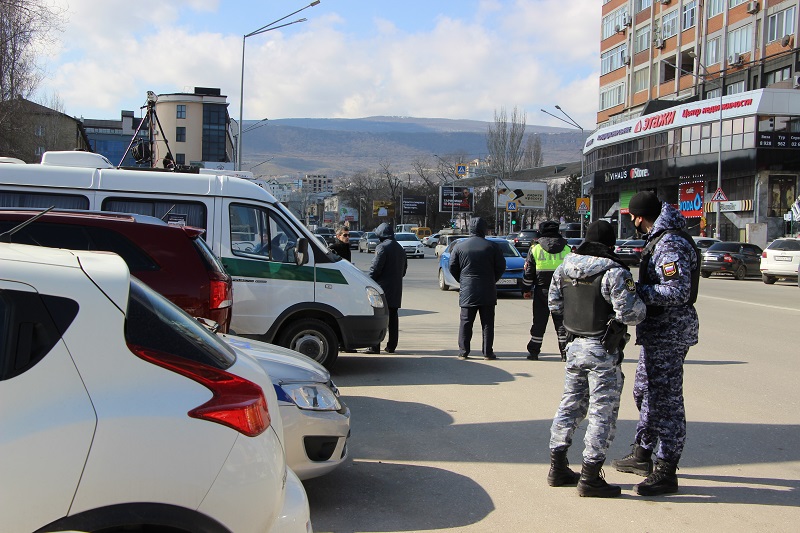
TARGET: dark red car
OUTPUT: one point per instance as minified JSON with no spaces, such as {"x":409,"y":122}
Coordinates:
{"x":174,"y":260}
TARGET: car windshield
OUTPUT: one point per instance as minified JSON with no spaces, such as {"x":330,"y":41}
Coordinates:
{"x":406,"y":237}
{"x":507,"y":249}
{"x":724,"y":247}
{"x":369,"y":236}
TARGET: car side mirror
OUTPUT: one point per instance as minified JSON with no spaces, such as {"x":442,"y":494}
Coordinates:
{"x":301,"y":251}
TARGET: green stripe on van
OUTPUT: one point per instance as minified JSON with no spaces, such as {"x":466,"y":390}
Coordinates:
{"x":250,"y":268}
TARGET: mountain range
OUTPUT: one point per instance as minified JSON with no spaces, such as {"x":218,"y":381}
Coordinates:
{"x":339,"y":147}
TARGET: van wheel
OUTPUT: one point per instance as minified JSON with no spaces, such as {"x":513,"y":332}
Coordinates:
{"x":313,"y":338}
{"x":442,"y":285}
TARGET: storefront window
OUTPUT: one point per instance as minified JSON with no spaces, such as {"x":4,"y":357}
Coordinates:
{"x":781,"y":195}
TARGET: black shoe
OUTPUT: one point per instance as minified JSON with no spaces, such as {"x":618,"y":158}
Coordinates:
{"x":388,"y":350}
{"x":560,"y":473}
{"x":533,"y":357}
{"x":592,"y":483}
{"x":489,"y":357}
{"x":372,"y":350}
{"x":663,"y":480}
{"x":563,"y":357}
{"x":463,"y":356}
{"x":637,"y":462}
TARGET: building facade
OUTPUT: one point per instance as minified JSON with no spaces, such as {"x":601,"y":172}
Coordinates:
{"x":29,"y":129}
{"x":112,"y":138}
{"x":699,"y":102}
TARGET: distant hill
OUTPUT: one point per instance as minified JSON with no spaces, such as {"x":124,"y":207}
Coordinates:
{"x":338,"y":147}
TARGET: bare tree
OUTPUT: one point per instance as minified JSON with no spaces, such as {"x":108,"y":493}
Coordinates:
{"x":504,"y":143}
{"x":532,"y":155}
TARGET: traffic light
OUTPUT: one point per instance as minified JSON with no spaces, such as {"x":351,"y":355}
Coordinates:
{"x":513,"y":222}
{"x":587,"y":216}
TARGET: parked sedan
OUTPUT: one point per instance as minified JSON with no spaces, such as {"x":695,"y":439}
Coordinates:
{"x":316,"y":422}
{"x":431,"y":240}
{"x":704,"y":242}
{"x":739,"y":259}
{"x":780,"y":260}
{"x":525,"y":239}
{"x":411,"y":244}
{"x":512,"y":277}
{"x":629,"y":250}
{"x":368,"y":242}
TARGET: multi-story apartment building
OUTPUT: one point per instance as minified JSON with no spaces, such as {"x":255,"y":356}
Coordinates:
{"x":196,"y":125}
{"x":699,"y":102}
{"x":112,"y":138}
{"x":317,"y":183}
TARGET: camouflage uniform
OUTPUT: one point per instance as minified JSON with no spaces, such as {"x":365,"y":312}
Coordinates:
{"x":665,"y":336}
{"x":594,"y":379}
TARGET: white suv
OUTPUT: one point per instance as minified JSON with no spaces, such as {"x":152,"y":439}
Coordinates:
{"x":121,"y":412}
{"x":780,"y":260}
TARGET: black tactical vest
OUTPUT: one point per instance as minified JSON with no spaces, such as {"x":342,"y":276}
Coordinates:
{"x":586,"y":312}
{"x":644,"y":268}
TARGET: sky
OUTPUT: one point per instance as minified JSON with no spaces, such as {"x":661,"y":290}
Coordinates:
{"x":456,"y":59}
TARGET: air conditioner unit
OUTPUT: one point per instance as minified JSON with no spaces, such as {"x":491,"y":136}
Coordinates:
{"x":628,"y":20}
{"x":665,"y":2}
{"x":752,"y":7}
{"x":787,"y":40}
{"x":626,"y":60}
{"x":617,"y":28}
{"x":734,"y":59}
{"x":659,"y":43}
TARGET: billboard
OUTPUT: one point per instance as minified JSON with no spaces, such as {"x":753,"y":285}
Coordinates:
{"x":348,"y":214}
{"x":382,"y":208}
{"x":526,"y":194}
{"x":690,"y":197}
{"x":414,"y":205}
{"x":456,"y":199}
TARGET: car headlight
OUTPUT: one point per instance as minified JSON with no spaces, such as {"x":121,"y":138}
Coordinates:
{"x":374,"y":297}
{"x":310,"y":396}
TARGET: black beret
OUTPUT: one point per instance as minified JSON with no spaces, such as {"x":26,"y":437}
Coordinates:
{"x":602,"y":232}
{"x":645,"y":204}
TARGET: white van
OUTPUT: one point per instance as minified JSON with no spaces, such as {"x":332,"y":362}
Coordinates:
{"x":288,"y":289}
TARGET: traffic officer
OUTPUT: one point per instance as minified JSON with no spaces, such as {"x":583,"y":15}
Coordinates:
{"x":542,"y":260}
{"x":669,"y":274}
{"x":594,"y":292}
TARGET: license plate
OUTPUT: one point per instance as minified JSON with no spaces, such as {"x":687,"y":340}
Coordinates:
{"x":507,"y":281}
{"x":783,"y":258}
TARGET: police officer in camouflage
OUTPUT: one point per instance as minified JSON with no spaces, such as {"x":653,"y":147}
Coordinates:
{"x":594,"y":292}
{"x":668,"y":283}
{"x":542,"y":260}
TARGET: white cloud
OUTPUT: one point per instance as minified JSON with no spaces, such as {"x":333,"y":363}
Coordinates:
{"x":529,"y":53}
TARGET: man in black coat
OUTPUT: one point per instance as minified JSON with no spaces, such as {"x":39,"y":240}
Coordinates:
{"x":477,"y":265}
{"x":341,"y":244}
{"x":388,"y":268}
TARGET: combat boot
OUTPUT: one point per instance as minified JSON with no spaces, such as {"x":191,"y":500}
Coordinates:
{"x":637,"y":462}
{"x":663,"y":480}
{"x":593,"y":485}
{"x":533,"y":351}
{"x":560,"y":473}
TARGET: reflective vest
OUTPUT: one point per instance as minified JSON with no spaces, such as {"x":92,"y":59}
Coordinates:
{"x":547,"y":261}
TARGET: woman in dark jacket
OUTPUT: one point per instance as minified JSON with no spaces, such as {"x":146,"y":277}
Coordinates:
{"x":387,"y":269}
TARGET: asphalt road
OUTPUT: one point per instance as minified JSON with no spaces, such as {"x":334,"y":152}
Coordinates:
{"x":442,"y":444}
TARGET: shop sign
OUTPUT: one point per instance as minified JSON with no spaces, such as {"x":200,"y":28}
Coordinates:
{"x":691,"y":199}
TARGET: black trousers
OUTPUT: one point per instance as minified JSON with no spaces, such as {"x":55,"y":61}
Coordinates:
{"x":541,"y":315}
{"x":393,"y":333}
{"x":468,"y":314}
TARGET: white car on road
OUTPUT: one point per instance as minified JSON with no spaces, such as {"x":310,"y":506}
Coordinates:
{"x":780,"y":259}
{"x":411,"y":244}
{"x":121,"y":412}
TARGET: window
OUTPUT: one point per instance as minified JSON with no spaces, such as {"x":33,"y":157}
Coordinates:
{"x":781,"y":195}
{"x":736,"y":88}
{"x":180,"y":134}
{"x":641,"y":80}
{"x":715,"y":7}
{"x":714,"y":93}
{"x":195,"y":212}
{"x":181,"y":111}
{"x":38,"y":130}
{"x":642,"y":39}
{"x":778,"y":75}
{"x":31,"y":199}
{"x":258,"y":232}
{"x":740,"y":40}
{"x":734,"y":3}
{"x":640,"y":5}
{"x":612,"y":20}
{"x":713,"y":52}
{"x":612,"y":96}
{"x":613,"y":59}
{"x":781,"y":24}
{"x":215,"y":124}
{"x":669,"y":24}
{"x":180,"y":159}
{"x":689,"y":14}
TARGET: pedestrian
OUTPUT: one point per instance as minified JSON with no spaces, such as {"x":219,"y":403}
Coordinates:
{"x":341,"y":244}
{"x":542,"y":260}
{"x":388,"y":269}
{"x":594,"y":292}
{"x":477,"y":265}
{"x":669,"y":276}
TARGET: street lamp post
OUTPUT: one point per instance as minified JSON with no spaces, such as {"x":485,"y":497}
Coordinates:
{"x":574,"y":124}
{"x":705,"y":76}
{"x":263,"y":29}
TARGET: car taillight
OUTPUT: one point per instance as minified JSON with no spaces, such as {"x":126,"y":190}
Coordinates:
{"x":638,"y":250}
{"x":727,"y":258}
{"x":764,"y":254}
{"x":221,"y":294}
{"x":236,"y":402}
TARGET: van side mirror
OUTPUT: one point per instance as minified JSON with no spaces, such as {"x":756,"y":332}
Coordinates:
{"x":301,"y":251}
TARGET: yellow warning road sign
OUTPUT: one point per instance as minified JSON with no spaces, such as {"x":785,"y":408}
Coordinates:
{"x":582,"y":205}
